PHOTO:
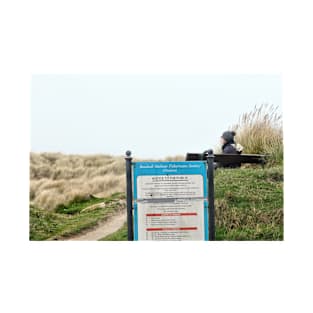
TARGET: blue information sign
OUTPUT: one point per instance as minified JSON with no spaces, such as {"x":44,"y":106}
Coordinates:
{"x":170,"y":200}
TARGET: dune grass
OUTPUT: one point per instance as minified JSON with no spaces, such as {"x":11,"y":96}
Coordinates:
{"x":59,"y":179}
{"x":260,"y":132}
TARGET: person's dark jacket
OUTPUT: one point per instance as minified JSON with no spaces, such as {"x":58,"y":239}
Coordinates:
{"x":230,"y":148}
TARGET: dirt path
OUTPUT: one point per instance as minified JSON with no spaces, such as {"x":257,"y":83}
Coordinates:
{"x":111,"y":225}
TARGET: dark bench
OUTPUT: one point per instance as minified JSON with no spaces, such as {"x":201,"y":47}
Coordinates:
{"x":225,"y":159}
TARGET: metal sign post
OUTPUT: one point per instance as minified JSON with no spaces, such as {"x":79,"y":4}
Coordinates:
{"x":210,"y":173}
{"x":129,"y":196}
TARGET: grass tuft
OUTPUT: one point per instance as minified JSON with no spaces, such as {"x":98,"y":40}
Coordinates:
{"x":260,"y":132}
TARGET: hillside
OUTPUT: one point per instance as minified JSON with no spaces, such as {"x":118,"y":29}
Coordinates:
{"x":71,"y":194}
{"x":74,"y":194}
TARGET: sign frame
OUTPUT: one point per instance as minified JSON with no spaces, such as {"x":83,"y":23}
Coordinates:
{"x":205,"y":169}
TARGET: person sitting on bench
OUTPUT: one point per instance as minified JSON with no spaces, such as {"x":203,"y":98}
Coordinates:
{"x":229,"y":146}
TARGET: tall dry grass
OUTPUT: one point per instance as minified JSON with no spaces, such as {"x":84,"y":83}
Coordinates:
{"x":57,"y":179}
{"x":261,"y":132}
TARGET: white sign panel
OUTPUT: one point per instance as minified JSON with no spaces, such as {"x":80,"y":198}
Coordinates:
{"x":169,"y":186}
{"x":171,"y":220}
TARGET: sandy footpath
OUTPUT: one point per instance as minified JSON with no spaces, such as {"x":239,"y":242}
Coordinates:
{"x":111,"y":225}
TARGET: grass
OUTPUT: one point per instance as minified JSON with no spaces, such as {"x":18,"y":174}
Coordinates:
{"x":260,"y":132}
{"x":248,"y":205}
{"x":69,"y":220}
{"x":77,"y":205}
{"x":58,"y":179}
{"x":249,"y":201}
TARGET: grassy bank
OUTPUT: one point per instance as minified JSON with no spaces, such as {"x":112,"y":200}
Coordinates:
{"x":248,"y":205}
{"x":71,"y":219}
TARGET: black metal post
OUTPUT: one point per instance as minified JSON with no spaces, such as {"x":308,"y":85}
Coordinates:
{"x":210,"y":173}
{"x":129,"y":196}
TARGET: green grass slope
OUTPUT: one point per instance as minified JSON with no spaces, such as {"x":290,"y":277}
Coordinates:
{"x":72,"y":219}
{"x":248,"y":205}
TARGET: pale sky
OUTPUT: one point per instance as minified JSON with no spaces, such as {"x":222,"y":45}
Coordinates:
{"x":152,"y":115}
